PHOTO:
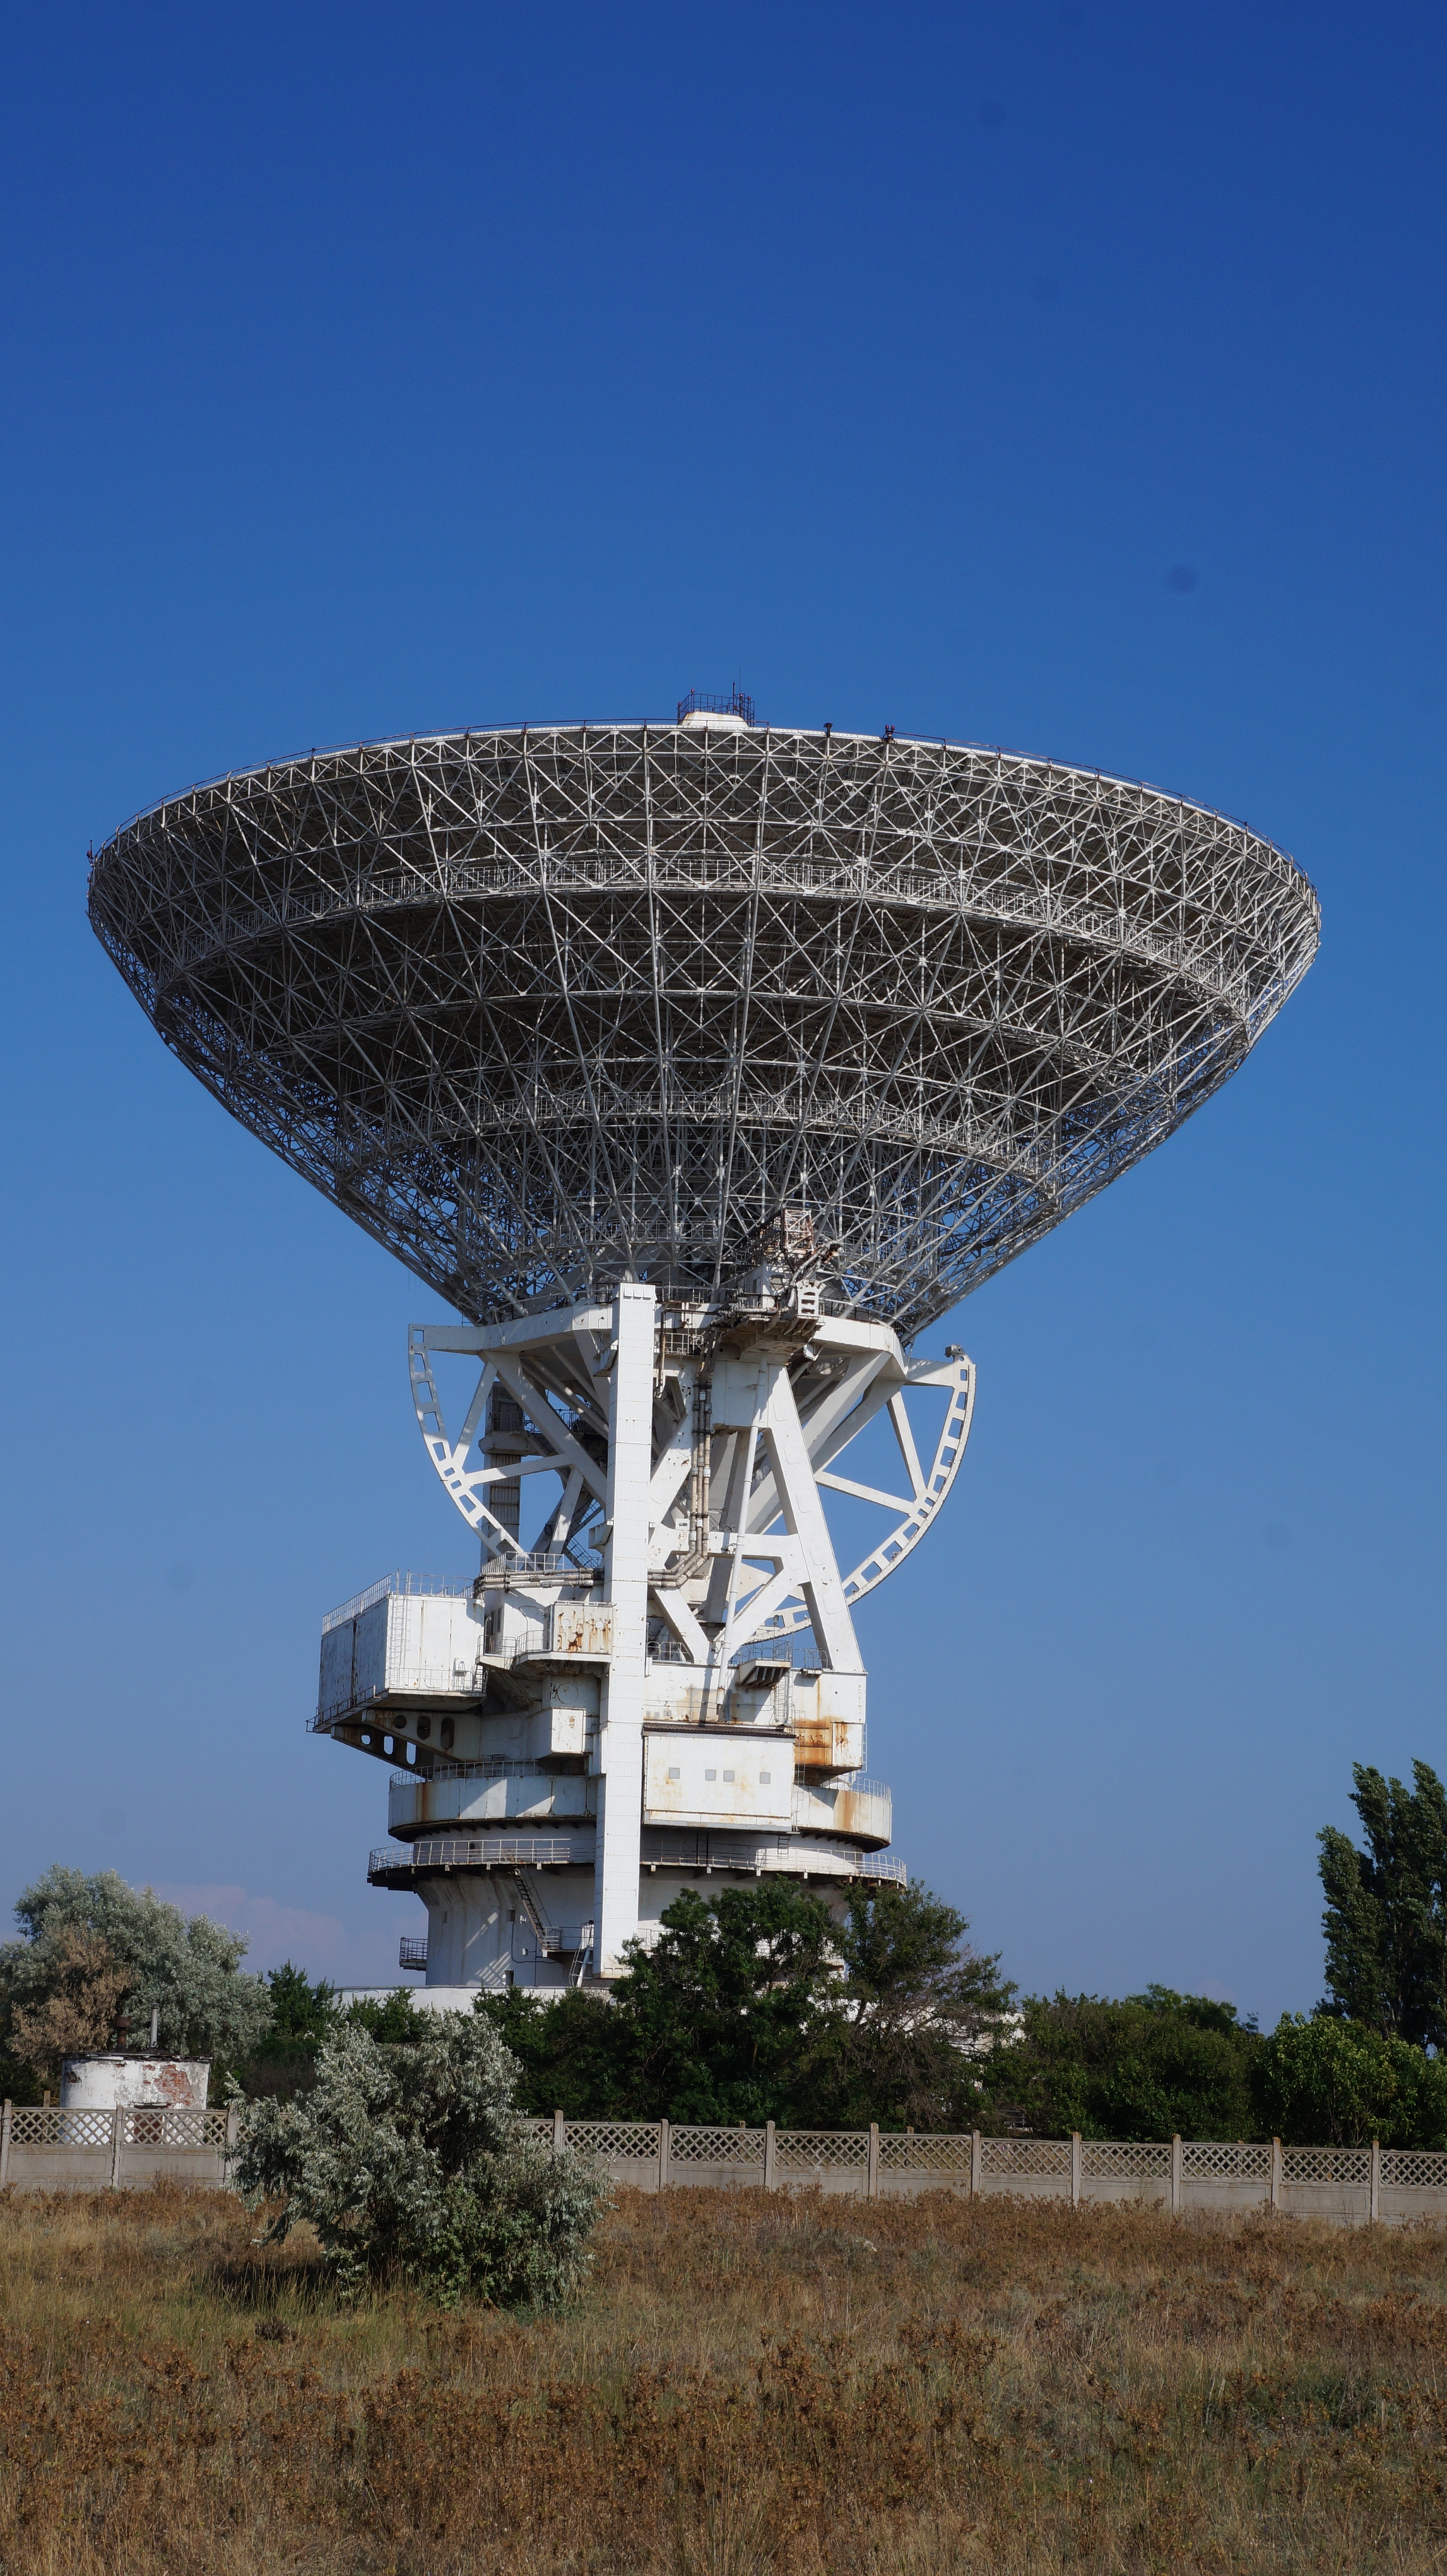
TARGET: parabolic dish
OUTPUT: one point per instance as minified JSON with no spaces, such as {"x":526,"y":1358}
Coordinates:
{"x":549,"y":1007}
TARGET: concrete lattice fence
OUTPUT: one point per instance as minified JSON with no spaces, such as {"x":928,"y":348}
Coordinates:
{"x":47,"y":2149}
{"x":1350,"y":2185}
{"x":57,"y":2150}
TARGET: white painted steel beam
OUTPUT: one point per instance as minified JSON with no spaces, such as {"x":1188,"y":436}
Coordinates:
{"x":625,"y":1587}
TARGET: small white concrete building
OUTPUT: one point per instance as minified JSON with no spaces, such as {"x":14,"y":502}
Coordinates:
{"x":129,"y":2079}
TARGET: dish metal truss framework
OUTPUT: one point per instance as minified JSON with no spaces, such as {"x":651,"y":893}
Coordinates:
{"x":549,"y":1008}
{"x":699,"y":1066}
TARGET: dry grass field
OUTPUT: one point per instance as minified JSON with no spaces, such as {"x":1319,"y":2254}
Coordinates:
{"x":748,"y":2385}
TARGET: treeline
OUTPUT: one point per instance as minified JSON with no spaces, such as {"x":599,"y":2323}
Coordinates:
{"x":760,"y":2004}
{"x":737,"y":2013}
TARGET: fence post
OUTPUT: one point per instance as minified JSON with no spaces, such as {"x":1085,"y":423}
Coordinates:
{"x":1276,"y":2173}
{"x":871,"y":2170}
{"x":663,"y":2154}
{"x":768,"y":2155}
{"x":118,"y":2140}
{"x":1374,"y":2187}
{"x":1075,"y":2168}
{"x":233,"y":2129}
{"x":976,"y":2162}
{"x":6,"y":2122}
{"x":560,"y":2133}
{"x":1177,"y":2168}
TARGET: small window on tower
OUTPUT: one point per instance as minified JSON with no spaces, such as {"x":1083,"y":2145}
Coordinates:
{"x":728,"y":1775}
{"x":673,"y":1774}
{"x":710,"y":1775}
{"x":766,"y":1779}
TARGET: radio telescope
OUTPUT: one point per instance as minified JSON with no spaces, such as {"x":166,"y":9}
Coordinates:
{"x":698,"y":1067}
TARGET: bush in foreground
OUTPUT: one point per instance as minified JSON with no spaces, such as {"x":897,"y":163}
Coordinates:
{"x":412,"y":2164}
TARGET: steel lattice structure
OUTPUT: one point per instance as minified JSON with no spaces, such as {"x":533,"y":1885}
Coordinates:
{"x":544,"y":1009}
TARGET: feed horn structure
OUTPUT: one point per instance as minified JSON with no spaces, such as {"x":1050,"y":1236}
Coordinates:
{"x":697,"y":1068}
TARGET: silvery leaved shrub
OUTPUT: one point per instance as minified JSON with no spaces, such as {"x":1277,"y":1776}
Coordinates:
{"x":413,"y":2164}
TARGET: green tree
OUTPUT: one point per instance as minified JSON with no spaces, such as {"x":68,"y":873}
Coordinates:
{"x":758,"y":2004}
{"x":303,"y":2012}
{"x":919,"y":2011}
{"x":707,"y":2023}
{"x":571,"y":2052}
{"x":712,"y":2016}
{"x":392,"y":2020}
{"x":78,"y":2008}
{"x":1154,"y":2065}
{"x":1331,"y":2082}
{"x":1386,"y":1909}
{"x":186,"y":1971}
{"x":411,"y":2163}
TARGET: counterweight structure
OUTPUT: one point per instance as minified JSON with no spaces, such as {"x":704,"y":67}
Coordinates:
{"x":699,"y":1067}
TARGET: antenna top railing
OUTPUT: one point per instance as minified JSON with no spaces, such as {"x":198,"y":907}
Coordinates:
{"x":699,"y":703}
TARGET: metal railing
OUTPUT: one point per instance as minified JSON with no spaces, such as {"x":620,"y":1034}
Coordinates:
{"x":560,"y":1940}
{"x":770,"y":1647}
{"x":412,"y":1950}
{"x":699,"y":703}
{"x":423,"y":1681}
{"x":703,"y":1848}
{"x":691,"y":1851}
{"x":488,"y":1766}
{"x":478,"y":1851}
{"x":529,"y":1648}
{"x":411,"y":1587}
{"x":552,"y":1564}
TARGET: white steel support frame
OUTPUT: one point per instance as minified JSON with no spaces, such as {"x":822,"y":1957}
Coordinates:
{"x":720,"y":1533}
{"x":625,"y":1587}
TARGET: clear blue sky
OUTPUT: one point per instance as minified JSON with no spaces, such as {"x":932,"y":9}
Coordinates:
{"x":1064,"y":376}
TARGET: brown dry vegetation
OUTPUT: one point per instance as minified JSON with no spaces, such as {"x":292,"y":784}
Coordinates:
{"x":785,"y":2384}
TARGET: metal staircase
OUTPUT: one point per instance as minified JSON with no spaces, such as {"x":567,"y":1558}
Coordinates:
{"x":555,"y":1941}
